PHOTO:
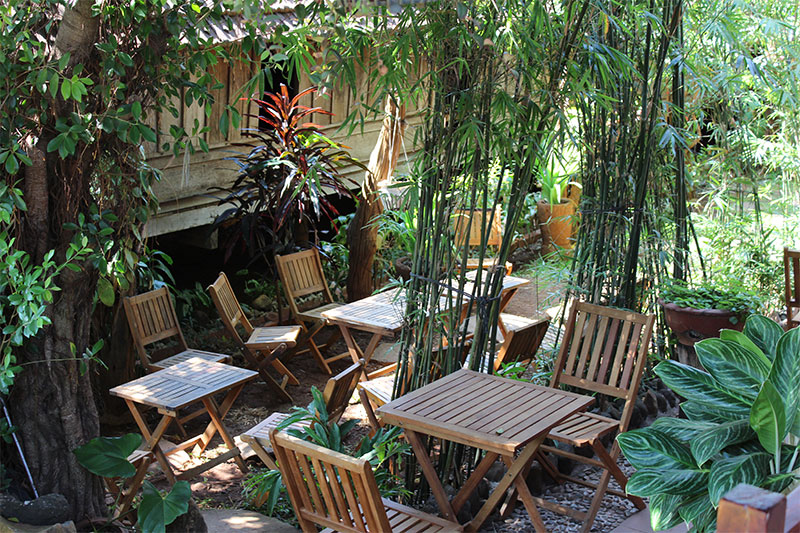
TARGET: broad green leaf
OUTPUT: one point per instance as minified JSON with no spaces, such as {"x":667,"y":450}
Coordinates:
{"x":664,"y":511}
{"x":768,"y":418}
{"x":650,"y":448}
{"x":694,"y":384}
{"x":651,"y":481}
{"x":108,"y":456}
{"x":701,"y":412}
{"x":157,"y":512}
{"x":707,"y":444}
{"x":690,"y":509}
{"x":727,"y":473}
{"x":680,"y":428}
{"x":764,"y":333}
{"x":745,"y":342}
{"x":785,"y":376}
{"x":735,"y":367}
{"x":105,"y":291}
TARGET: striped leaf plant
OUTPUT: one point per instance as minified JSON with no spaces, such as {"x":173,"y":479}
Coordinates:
{"x":742,"y":425}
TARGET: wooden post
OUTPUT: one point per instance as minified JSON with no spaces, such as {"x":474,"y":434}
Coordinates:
{"x":749,"y":509}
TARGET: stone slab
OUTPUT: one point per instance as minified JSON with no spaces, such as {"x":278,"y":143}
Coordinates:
{"x":225,"y":520}
{"x":640,"y":523}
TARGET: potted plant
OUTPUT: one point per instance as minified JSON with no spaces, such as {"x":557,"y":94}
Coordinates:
{"x":556,"y":210}
{"x":700,"y":312}
{"x":741,"y":425}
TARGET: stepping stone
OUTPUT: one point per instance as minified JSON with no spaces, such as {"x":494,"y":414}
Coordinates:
{"x":386,"y":353}
{"x":224,"y":520}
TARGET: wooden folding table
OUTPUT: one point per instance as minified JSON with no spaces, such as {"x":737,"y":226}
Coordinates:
{"x":508,"y":419}
{"x":174,"y":388}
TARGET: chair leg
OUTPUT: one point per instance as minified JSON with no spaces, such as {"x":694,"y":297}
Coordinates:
{"x":374,"y":424}
{"x":610,"y":460}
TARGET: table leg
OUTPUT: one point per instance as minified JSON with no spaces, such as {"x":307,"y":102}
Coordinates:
{"x":211,"y":428}
{"x":152,"y":439}
{"x":355,"y":352}
{"x":472,"y":482}
{"x":523,"y":493}
{"x":511,"y":475}
{"x":217,"y":420}
{"x":430,"y":474}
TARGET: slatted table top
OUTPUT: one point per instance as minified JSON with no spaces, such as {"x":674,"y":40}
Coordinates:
{"x":183,"y":384}
{"x":484,"y":411}
{"x":380,"y":311}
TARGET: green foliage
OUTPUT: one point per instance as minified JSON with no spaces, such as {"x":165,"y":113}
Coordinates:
{"x":317,"y":427}
{"x":108,"y":457}
{"x":157,"y":511}
{"x":707,"y":296}
{"x":741,"y":414}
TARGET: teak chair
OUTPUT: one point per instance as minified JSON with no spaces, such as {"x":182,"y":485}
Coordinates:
{"x":340,"y":493}
{"x":263,"y":344}
{"x":302,"y":277}
{"x":522,"y":339}
{"x":151,"y":318}
{"x":337,"y":393}
{"x":125,"y":491}
{"x":468,"y":223}
{"x":791,"y":272}
{"x":604,"y":351}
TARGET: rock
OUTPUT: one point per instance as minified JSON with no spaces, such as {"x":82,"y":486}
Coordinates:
{"x":17,"y":527}
{"x":262,"y":302}
{"x":639,"y":414}
{"x":614,"y":412}
{"x":242,"y":521}
{"x":565,"y":464}
{"x":45,"y":510}
{"x":671,"y":397}
{"x":584,"y":451}
{"x":190,"y":522}
{"x":464,"y":514}
{"x":650,"y":403}
{"x":535,"y":479}
{"x":496,"y":472}
{"x":483,"y":489}
{"x":663,"y":404}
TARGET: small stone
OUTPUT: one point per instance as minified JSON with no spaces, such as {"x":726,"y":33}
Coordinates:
{"x":650,"y":403}
{"x":262,"y":302}
{"x":496,"y":472}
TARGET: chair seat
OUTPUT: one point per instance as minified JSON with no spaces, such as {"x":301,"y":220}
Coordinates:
{"x":188,"y":354}
{"x":269,"y":338}
{"x":260,"y":432}
{"x":488,"y":262}
{"x":403,"y":518}
{"x":582,"y":428}
{"x":379,"y":389}
{"x":316,"y":313}
{"x":516,"y":322}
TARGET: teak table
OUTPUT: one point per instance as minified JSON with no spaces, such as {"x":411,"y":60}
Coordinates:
{"x":382,"y":315}
{"x":508,"y":419}
{"x":174,"y":388}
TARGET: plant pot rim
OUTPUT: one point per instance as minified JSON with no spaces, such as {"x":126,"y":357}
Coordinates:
{"x":691,"y":310}
{"x":562,"y":202}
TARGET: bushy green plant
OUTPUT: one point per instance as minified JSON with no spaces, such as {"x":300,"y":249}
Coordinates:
{"x":380,"y":449}
{"x":733,"y":297}
{"x":108,"y":457}
{"x":740,"y":414}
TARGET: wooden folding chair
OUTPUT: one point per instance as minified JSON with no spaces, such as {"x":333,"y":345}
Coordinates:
{"x":604,"y":352}
{"x":340,"y":493}
{"x":337,"y":393}
{"x":468,"y":223}
{"x":125,"y":492}
{"x":263,"y":344}
{"x":791,"y":273}
{"x":151,"y":318}
{"x":522,"y":339}
{"x":309,"y":296}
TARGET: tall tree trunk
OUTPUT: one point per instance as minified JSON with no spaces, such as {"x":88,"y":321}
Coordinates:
{"x":52,"y":404}
{"x":362,"y":235}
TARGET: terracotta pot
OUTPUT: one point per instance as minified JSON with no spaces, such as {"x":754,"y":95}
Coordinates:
{"x":692,"y":325}
{"x":402,"y":267}
{"x":556,"y":222}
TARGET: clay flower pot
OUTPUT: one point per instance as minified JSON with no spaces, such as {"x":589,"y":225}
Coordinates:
{"x":557,"y":223}
{"x":692,"y":325}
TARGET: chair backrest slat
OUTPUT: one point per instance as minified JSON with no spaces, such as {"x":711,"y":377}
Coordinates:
{"x":301,"y":275}
{"x":469,"y":223}
{"x":151,"y":318}
{"x":613,"y":344}
{"x":347,"y":498}
{"x":230,"y":312}
{"x":339,"y":389}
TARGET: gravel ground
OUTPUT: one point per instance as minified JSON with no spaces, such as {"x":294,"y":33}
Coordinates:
{"x":612,"y":511}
